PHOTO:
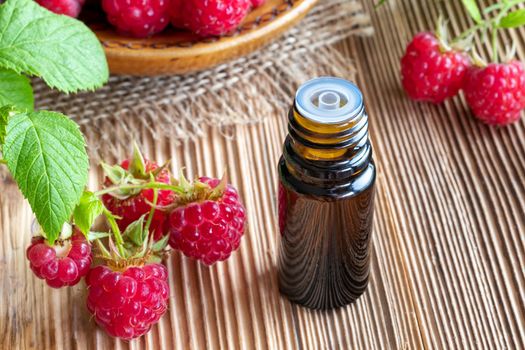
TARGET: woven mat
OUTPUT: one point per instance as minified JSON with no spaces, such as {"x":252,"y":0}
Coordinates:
{"x":240,"y":92}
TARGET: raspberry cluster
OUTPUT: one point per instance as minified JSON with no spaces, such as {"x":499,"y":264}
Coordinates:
{"x":70,"y":8}
{"x":127,"y":303}
{"x":434,"y":68}
{"x":62,"y":264}
{"x":209,"y":230}
{"x":131,"y":208}
{"x":496,"y":93}
{"x":431,"y":72}
{"x":146,"y":209}
{"x":143,"y":18}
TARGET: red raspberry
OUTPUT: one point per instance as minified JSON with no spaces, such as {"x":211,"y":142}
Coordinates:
{"x":209,"y":230}
{"x":70,"y":8}
{"x":496,"y":93}
{"x":139,"y":18}
{"x":429,"y":73}
{"x":257,"y":3}
{"x":127,"y":303}
{"x":214,"y":17}
{"x":63,"y":264}
{"x":176,"y":13}
{"x":132,"y":208}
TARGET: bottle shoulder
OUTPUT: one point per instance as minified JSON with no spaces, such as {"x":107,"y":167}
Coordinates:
{"x":338,"y":189}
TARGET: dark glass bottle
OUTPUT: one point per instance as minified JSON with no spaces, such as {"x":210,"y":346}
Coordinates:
{"x":326,"y":196}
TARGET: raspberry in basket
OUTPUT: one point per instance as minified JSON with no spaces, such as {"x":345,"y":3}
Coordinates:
{"x":139,"y":18}
{"x":214,"y":17}
{"x":63,"y":7}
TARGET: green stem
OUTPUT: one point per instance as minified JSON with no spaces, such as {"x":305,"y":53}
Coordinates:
{"x":470,"y":31}
{"x":495,"y":26}
{"x":152,"y":185}
{"x":493,"y":8}
{"x":152,"y":211}
{"x":495,"y":44}
{"x":116,"y":231}
{"x":3,"y":161}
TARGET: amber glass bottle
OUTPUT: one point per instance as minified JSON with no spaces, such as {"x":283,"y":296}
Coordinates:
{"x":326,"y":196}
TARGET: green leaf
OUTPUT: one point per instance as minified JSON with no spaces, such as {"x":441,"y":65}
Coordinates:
{"x":87,"y":211}
{"x":513,"y":19}
{"x":161,"y":244}
{"x":379,"y":3}
{"x":473,"y":10}
{"x":135,"y":231}
{"x":15,"y":90}
{"x":5,"y":113}
{"x":45,"y":152}
{"x":59,"y":49}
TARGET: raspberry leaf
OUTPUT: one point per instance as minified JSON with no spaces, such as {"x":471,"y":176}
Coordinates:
{"x":87,"y":211}
{"x":59,"y":49}
{"x":513,"y":19}
{"x":46,"y":155}
{"x":16,"y":90}
{"x":473,"y":10}
{"x":5,"y":113}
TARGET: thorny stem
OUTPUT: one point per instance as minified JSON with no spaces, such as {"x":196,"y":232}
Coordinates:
{"x":152,"y":185}
{"x":116,"y":231}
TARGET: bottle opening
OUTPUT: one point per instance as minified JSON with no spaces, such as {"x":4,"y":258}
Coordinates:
{"x":329,"y":100}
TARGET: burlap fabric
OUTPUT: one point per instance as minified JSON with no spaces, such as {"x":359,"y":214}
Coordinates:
{"x":240,"y":92}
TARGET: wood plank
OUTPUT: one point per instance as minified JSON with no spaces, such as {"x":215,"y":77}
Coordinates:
{"x":458,"y":191}
{"x":449,"y":254}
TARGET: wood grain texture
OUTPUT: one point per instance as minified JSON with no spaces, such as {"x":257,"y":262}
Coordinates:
{"x":449,"y":251}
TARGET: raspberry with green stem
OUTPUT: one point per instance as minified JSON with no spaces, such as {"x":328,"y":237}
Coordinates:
{"x":129,"y":293}
{"x":129,"y":191}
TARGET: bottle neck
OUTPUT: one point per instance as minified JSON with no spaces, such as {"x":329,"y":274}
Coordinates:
{"x":326,"y":153}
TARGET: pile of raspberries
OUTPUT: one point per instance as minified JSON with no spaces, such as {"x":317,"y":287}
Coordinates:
{"x":144,"y":18}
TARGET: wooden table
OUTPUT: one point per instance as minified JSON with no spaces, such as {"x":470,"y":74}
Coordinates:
{"x":449,"y":262}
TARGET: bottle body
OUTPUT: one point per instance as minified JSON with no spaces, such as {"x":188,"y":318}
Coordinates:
{"x":326,"y":205}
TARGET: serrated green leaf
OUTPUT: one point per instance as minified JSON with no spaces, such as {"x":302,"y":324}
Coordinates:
{"x":87,"y":211}
{"x":5,"y":113}
{"x":513,"y":20}
{"x":473,"y":10}
{"x":15,"y":90}
{"x":45,"y":152}
{"x":59,"y":49}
